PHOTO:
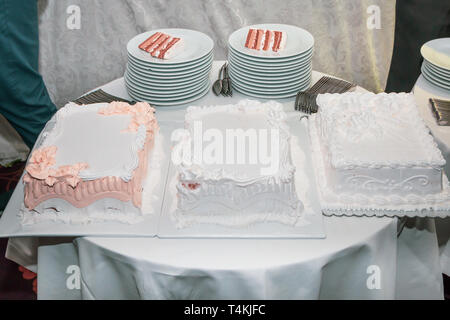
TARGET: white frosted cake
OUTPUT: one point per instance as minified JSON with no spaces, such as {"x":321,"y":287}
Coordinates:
{"x":233,"y":185}
{"x":375,"y":150}
{"x":91,"y":165}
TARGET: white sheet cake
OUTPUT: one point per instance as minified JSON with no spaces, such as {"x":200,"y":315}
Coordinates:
{"x":375,"y":150}
{"x":237,"y":194}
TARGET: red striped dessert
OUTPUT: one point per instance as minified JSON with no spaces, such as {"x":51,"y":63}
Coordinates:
{"x":258,"y":39}
{"x":162,"y":46}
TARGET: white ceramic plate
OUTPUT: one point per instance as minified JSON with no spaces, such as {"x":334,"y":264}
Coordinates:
{"x":282,"y":76}
{"x":166,"y":103}
{"x":298,"y":41}
{"x":172,"y":72}
{"x":438,"y":76}
{"x":151,"y":88}
{"x":260,"y":78}
{"x":270,"y":90}
{"x":263,"y":96}
{"x":164,"y":94}
{"x":176,"y":82}
{"x":437,"y":51}
{"x":168,"y":98}
{"x":436,"y":69}
{"x":269,"y":84}
{"x":165,"y":76}
{"x":179,"y":66}
{"x":270,"y":66}
{"x":434,"y":80}
{"x":267,"y":72}
{"x":196,"y":46}
{"x":159,"y":97}
{"x":271,"y":62}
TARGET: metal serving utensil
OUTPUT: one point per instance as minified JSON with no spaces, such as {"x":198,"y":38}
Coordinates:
{"x":218,"y":84}
{"x":306,"y":100}
{"x":227,"y":83}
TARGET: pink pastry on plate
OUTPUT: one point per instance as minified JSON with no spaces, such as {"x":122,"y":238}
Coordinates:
{"x":266,"y":40}
{"x":162,"y":46}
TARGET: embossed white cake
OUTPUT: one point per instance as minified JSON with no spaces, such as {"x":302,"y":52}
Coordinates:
{"x":374,"y":150}
{"x":245,"y":174}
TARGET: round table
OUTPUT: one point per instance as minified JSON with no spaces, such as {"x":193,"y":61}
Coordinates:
{"x":360,"y":257}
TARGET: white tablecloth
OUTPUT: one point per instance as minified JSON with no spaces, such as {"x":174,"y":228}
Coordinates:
{"x":423,"y":91}
{"x":361,"y":258}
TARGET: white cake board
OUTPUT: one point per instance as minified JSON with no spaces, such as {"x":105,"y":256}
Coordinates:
{"x":312,"y":216}
{"x":11,"y":226}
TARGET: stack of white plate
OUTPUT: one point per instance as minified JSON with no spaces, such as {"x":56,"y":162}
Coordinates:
{"x":436,"y":62}
{"x":179,"y":80}
{"x":268,"y":74}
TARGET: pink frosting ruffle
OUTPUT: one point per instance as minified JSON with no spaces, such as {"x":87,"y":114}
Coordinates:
{"x":142,"y":114}
{"x":40,"y":167}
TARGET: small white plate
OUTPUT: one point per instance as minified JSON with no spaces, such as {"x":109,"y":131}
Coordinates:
{"x":298,"y":41}
{"x":267,"y":71}
{"x":272,"y":62}
{"x":437,"y":51}
{"x":274,"y":84}
{"x":270,"y":66}
{"x":164,"y":94}
{"x":270,"y":96}
{"x":271,"y":90}
{"x":273,"y":77}
{"x":438,"y":76}
{"x":163,"y":75}
{"x":195,"y":90}
{"x":438,"y":71}
{"x":264,"y":78}
{"x":178,"y":82}
{"x":433,"y":79}
{"x":168,"y":103}
{"x":179,"y":66}
{"x":196,"y":46}
{"x":147,"y":68}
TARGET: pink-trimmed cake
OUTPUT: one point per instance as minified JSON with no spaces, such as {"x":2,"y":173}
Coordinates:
{"x":94,"y":158}
{"x":162,"y":46}
{"x":266,"y":40}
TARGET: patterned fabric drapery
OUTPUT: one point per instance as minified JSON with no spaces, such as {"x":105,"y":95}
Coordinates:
{"x":83,"y":42}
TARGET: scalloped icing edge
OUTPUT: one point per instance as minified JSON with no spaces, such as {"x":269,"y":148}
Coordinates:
{"x":276,"y":118}
{"x":353,"y":207}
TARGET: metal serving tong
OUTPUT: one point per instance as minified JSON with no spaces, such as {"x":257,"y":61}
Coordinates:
{"x":441,"y":111}
{"x":306,"y":100}
{"x":223,"y":84}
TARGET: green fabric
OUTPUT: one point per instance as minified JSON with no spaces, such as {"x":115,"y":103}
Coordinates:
{"x":4,"y":198}
{"x":24,"y":99}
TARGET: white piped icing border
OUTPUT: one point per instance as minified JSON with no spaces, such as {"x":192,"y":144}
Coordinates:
{"x":127,"y":170}
{"x":276,"y":118}
{"x":403,"y":104}
{"x":432,"y":205}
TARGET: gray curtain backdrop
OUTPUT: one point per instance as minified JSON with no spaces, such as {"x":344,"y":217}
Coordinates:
{"x":73,"y":61}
